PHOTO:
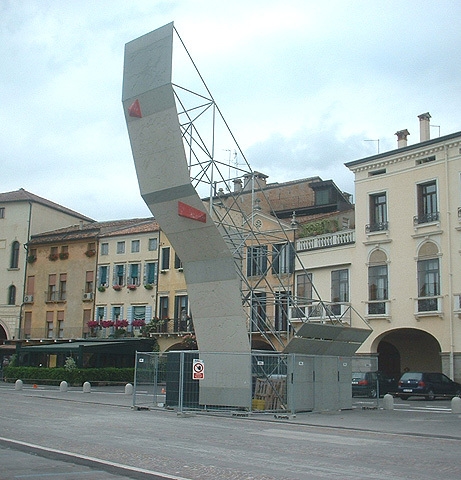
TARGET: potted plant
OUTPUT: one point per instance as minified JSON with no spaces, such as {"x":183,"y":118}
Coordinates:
{"x":92,"y":325}
{"x":102,"y":288}
{"x":31,"y":259}
{"x":121,"y":323}
{"x":148,"y":286}
{"x":107,"y":323}
{"x":64,"y":255}
{"x":53,"y":256}
{"x":117,"y":288}
{"x":131,"y":287}
{"x":90,"y":253}
{"x":138,"y":323}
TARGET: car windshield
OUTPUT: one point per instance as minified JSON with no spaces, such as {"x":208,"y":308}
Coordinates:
{"x":411,"y":376}
{"x":358,"y":376}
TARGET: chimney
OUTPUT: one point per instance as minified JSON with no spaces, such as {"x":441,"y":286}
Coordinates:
{"x":256,"y":180}
{"x":424,"y":127}
{"x":237,"y":185}
{"x":402,"y":138}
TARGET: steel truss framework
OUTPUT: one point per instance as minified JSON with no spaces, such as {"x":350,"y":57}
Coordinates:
{"x":208,"y":140}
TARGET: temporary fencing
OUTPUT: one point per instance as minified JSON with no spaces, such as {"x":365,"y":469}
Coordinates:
{"x":260,"y":382}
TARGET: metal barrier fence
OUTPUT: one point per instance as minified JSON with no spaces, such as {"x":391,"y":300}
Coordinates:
{"x":256,"y":382}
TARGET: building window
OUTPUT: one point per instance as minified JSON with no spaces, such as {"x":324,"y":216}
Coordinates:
{"x":104,"y":249}
{"x":52,"y":293}
{"x":119,"y":274}
{"x":428,"y":284}
{"x":11,"y":295}
{"x":135,"y":245}
{"x":14,"y":260}
{"x":177,"y":261}
{"x":153,"y":244}
{"x":62,"y":286}
{"x":378,"y":213}
{"x":303,"y":294}
{"x":60,"y":320}
{"x":2,"y":212}
{"x":163,"y":308}
{"x":116,"y":313}
{"x":120,"y":247}
{"x":27,"y":324}
{"x":30,"y":285}
{"x":134,"y":274}
{"x":89,"y":281}
{"x":103,"y":276}
{"x":49,"y":324}
{"x":322,"y":196}
{"x":100,"y":314}
{"x":377,"y":289}
{"x":281,"y":311}
{"x":339,"y":289}
{"x":258,"y":312}
{"x":427,"y":203}
{"x":283,"y":257}
{"x":256,"y":260}
{"x":181,"y":323}
{"x":304,"y":287}
{"x":165,"y":258}
{"x":151,"y":272}
{"x":139,"y":312}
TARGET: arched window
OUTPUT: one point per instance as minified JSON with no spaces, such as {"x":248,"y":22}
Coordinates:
{"x":14,"y":263}
{"x":12,"y":295}
{"x":428,"y":266}
{"x":377,"y":283}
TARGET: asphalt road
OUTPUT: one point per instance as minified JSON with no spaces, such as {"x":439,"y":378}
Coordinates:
{"x":49,"y":434}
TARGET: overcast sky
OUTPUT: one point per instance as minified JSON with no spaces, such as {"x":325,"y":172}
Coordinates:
{"x":302,"y":84}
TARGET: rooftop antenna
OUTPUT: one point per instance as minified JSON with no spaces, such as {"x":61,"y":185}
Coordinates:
{"x":377,"y":141}
{"x":435,"y":126}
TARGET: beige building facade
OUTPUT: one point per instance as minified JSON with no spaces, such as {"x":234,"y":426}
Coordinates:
{"x":23,"y":214}
{"x":398,"y":271}
{"x":408,"y":241}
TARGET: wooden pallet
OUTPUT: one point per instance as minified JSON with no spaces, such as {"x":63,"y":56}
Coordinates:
{"x":272,"y":392}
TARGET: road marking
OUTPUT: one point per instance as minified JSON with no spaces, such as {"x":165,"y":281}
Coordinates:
{"x":318,"y":437}
{"x":69,"y":456}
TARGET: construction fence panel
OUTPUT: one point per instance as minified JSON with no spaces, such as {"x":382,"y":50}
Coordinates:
{"x":258,"y":382}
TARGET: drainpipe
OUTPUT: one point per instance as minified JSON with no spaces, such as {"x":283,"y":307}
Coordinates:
{"x":24,"y":282}
{"x":450,"y":270}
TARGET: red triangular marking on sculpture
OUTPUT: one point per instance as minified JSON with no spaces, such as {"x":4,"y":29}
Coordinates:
{"x":135,"y":109}
{"x":187,"y":211}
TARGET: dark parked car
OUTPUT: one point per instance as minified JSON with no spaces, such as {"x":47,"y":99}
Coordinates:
{"x":428,"y":385}
{"x":366,"y":384}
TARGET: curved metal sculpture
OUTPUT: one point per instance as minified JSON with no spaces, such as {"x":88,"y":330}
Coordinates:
{"x":213,"y":284}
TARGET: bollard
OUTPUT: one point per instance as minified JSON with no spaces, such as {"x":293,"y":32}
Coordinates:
{"x":388,"y":402}
{"x":128,"y":389}
{"x":456,"y":405}
{"x":87,"y":387}
{"x":63,"y":386}
{"x":18,"y":385}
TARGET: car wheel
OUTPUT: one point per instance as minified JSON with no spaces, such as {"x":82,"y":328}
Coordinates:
{"x":430,"y":395}
{"x":372,"y":393}
{"x":404,"y":397}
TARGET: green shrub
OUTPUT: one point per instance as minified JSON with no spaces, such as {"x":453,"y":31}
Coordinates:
{"x":74,"y":376}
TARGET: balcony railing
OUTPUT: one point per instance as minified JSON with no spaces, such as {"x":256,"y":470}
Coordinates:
{"x":428,"y":305}
{"x":377,"y":227}
{"x":326,"y":240}
{"x":426,"y":218}
{"x":322,"y":312}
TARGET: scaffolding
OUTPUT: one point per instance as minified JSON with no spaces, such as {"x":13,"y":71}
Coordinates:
{"x":236,"y":199}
